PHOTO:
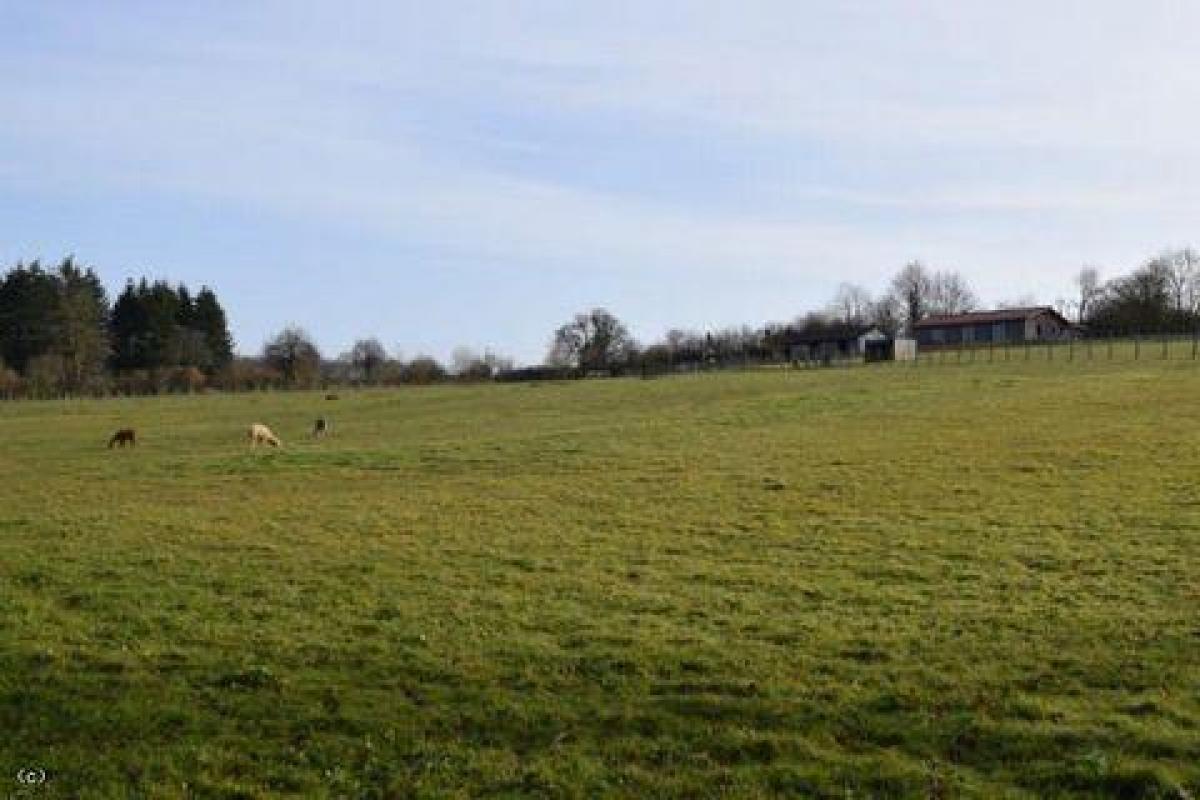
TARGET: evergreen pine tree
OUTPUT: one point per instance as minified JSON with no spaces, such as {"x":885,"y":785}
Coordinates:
{"x":28,"y":303}
{"x":210,"y":320}
{"x":127,"y":326}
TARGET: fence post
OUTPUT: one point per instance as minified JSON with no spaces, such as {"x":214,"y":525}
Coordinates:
{"x":1070,"y":349}
{"x":1137,"y":347}
{"x":1110,"y":338}
{"x":1193,"y":344}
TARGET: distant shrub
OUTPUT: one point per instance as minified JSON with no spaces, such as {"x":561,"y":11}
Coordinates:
{"x":186,"y":379}
{"x":423,"y":371}
{"x":11,"y":384}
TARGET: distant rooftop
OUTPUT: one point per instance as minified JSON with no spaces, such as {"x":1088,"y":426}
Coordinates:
{"x":984,"y":317}
{"x":834,"y":332}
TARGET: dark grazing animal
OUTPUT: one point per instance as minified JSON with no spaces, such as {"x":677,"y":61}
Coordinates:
{"x":123,"y":437}
{"x":320,"y":427}
{"x":331,"y":396}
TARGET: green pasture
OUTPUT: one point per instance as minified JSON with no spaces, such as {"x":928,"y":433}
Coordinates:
{"x":877,"y":582}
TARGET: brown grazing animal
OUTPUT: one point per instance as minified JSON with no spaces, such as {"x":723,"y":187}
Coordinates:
{"x":123,"y":436}
{"x":320,"y":427}
{"x":261,"y":434}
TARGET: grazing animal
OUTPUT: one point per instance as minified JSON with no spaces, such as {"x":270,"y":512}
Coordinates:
{"x":320,"y":427}
{"x":261,"y":434}
{"x":331,"y":397}
{"x":122,"y":437}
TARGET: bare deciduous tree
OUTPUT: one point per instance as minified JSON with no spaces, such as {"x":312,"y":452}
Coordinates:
{"x":680,"y":347}
{"x":80,"y":324}
{"x":1179,"y":269}
{"x":367,"y":357}
{"x":463,"y":360}
{"x":910,"y":291}
{"x":916,"y":293}
{"x":852,"y":304}
{"x":468,"y":364}
{"x":1088,"y":284}
{"x":294,"y":355}
{"x":593,"y":341}
{"x":950,"y":294}
{"x":886,"y":315}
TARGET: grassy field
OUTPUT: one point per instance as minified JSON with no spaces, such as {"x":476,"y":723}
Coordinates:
{"x":947,"y":582}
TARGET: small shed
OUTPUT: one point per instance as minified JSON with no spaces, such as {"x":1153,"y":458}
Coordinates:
{"x":840,"y":342}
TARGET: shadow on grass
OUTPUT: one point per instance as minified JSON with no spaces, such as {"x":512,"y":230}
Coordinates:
{"x":599,"y":724}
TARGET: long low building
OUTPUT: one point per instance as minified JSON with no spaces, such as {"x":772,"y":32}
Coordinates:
{"x":1040,"y":323}
{"x":839,"y":341}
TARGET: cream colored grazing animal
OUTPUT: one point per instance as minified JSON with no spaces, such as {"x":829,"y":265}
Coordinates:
{"x":261,"y":434}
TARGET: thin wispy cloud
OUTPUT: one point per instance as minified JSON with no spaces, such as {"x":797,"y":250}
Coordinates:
{"x":680,"y":163}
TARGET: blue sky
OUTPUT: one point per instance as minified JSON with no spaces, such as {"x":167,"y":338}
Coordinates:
{"x":473,"y":173}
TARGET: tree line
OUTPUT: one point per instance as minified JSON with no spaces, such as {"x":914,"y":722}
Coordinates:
{"x":59,"y":334}
{"x":1161,"y":296}
{"x":292,"y":359}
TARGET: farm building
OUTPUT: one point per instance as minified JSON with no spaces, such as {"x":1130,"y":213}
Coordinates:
{"x":838,"y":343}
{"x":1040,"y":323}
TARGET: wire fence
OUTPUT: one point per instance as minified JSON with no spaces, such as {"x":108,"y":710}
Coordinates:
{"x":1125,"y":347}
{"x":1130,"y":347}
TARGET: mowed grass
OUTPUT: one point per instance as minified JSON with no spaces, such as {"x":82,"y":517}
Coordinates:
{"x":893,"y":581}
